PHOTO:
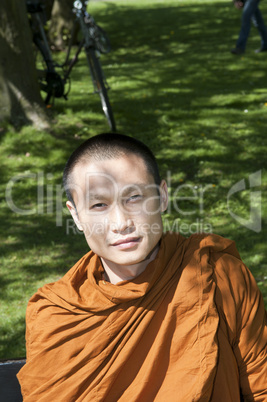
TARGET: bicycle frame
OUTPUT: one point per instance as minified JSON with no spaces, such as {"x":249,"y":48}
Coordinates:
{"x":94,"y":41}
{"x":38,"y":29}
{"x":82,"y":18}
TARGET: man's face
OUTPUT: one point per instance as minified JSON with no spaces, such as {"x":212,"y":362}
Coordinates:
{"x":118,"y":208}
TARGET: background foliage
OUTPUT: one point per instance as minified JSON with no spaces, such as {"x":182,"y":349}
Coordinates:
{"x":175,"y":86}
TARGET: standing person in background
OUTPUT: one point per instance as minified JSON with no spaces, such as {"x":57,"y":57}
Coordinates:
{"x":250,"y":12}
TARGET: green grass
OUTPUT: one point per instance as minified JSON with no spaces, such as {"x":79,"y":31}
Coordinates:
{"x":175,"y":86}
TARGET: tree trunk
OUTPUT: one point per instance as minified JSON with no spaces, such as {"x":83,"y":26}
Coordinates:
{"x":20,"y":99}
{"x":61,"y":23}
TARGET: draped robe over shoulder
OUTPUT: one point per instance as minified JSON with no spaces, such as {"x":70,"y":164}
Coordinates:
{"x":191,"y":327}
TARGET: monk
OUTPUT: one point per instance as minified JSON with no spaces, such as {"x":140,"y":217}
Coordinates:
{"x":144,"y":315}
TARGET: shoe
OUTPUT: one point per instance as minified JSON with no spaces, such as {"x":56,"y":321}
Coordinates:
{"x":261,"y":49}
{"x":237,"y":50}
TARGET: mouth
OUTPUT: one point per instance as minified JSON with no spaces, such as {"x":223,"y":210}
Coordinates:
{"x":127,"y":243}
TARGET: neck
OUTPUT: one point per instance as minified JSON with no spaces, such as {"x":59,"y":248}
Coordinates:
{"x":115,"y":273}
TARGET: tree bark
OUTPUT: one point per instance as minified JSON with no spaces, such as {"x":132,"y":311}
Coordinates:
{"x":61,"y":23}
{"x":20,"y":99}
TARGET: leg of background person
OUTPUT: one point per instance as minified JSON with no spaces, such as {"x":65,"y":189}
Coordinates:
{"x":259,"y":24}
{"x":249,"y":10}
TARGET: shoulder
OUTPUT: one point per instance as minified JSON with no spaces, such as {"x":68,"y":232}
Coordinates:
{"x":237,"y":296}
{"x":213,"y":256}
{"x":52,"y":305}
{"x":59,"y":293}
{"x":219,"y":256}
{"x":212,"y":242}
{"x":203,"y":246}
{"x":222,"y":255}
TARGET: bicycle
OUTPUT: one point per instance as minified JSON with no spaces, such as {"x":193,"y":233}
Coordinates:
{"x":94,"y":41}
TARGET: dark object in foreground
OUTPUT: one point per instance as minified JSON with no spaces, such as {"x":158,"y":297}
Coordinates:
{"x":9,"y":385}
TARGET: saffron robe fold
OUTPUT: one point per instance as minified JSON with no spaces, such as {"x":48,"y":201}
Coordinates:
{"x":191,"y":327}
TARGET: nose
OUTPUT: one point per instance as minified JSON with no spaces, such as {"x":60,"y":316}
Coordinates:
{"x":119,"y":221}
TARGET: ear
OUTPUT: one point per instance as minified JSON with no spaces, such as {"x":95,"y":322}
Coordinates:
{"x":74,"y":215}
{"x":163,"y":195}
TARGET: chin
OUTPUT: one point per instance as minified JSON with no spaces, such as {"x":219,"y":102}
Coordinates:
{"x":127,"y":260}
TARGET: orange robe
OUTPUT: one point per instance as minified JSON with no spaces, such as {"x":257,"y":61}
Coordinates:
{"x":191,"y":327}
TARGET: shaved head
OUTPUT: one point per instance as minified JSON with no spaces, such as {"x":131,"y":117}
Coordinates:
{"x":108,"y":146}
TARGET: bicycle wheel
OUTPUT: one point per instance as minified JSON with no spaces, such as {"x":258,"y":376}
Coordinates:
{"x":100,"y":88}
{"x":50,"y":81}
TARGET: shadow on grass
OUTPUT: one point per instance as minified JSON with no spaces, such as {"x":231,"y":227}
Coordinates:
{"x":12,"y":340}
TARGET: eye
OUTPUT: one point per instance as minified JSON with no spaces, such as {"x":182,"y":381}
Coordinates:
{"x":98,"y":206}
{"x":135,"y":197}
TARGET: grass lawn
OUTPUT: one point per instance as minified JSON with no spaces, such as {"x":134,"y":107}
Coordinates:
{"x":174,"y":85}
